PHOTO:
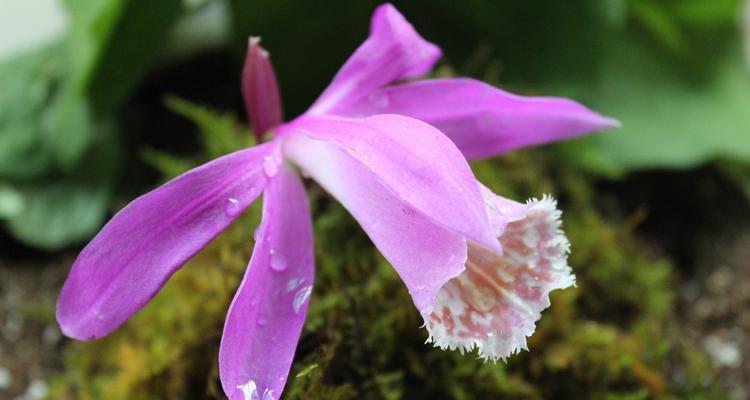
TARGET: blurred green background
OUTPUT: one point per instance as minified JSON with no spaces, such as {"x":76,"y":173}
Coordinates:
{"x":100,"y":100}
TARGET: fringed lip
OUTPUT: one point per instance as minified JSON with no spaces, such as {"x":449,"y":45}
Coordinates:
{"x":493,"y":305}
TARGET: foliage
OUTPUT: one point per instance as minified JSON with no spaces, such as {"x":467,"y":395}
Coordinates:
{"x":612,"y":337}
{"x":58,"y":140}
{"x":56,"y":202}
{"x":675,"y":114}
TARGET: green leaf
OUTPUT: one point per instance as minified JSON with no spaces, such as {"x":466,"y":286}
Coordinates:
{"x":113,"y":42}
{"x":110,"y":46}
{"x":670,"y":119}
{"x":68,"y":127}
{"x":51,"y":97}
{"x":11,"y":202}
{"x":42,"y":118}
{"x":706,"y":13}
{"x":57,"y":214}
{"x":134,"y":45}
{"x":61,"y":210}
{"x":26,"y":83}
{"x":54,"y":103}
{"x":656,"y":18}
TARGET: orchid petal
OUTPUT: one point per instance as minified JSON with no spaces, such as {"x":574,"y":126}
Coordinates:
{"x":135,"y":253}
{"x":494,"y":304}
{"x":424,"y":254}
{"x":266,"y":316}
{"x":414,"y":160}
{"x":260,"y":89}
{"x":393,"y":51}
{"x":482,"y":120}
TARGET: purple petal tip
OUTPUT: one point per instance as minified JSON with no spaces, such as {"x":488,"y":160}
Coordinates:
{"x":260,"y":89}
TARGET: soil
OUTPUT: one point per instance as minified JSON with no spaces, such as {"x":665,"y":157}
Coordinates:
{"x":30,"y":340}
{"x":702,"y":221}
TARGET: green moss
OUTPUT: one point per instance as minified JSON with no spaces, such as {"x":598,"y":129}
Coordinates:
{"x":611,"y":337}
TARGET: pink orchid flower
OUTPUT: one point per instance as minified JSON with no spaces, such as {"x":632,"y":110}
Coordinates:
{"x":479,"y":267}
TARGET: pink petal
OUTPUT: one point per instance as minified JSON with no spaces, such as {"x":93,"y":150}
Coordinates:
{"x":494,"y":304}
{"x":393,"y":51}
{"x":416,"y":162}
{"x":424,"y":254}
{"x":482,"y":120}
{"x":260,"y":90}
{"x":130,"y":259}
{"x":266,"y":316}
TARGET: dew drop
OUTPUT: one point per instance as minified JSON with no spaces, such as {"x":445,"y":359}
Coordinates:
{"x":262,"y":321}
{"x":270,"y":166}
{"x":232,"y":207}
{"x":293,"y":283}
{"x":256,"y":233}
{"x":249,"y":390}
{"x":301,"y":297}
{"x":278,"y":263}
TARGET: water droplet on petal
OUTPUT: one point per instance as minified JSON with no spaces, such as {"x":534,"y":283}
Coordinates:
{"x":232,"y":207}
{"x":262,"y":321}
{"x":278,"y":263}
{"x":249,"y":390}
{"x":270,"y":166}
{"x":301,"y":297}
{"x":293,"y":283}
